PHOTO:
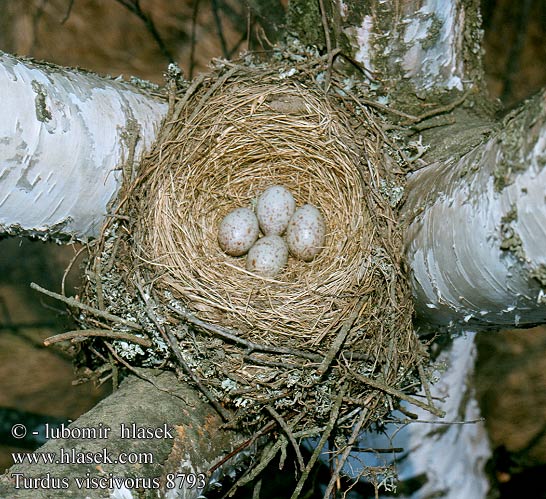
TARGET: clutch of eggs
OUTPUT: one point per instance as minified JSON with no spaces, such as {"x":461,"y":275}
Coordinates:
{"x":276,"y":214}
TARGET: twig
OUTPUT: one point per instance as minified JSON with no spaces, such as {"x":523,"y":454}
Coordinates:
{"x":371,"y":450}
{"x":326,"y":29}
{"x":219,"y":30}
{"x":439,"y":110}
{"x":103,"y":333}
{"x":268,"y":363}
{"x":195,"y":12}
{"x":169,"y":338}
{"x":69,"y":268}
{"x":72,"y":302}
{"x":134,"y":7}
{"x":217,"y":84}
{"x":350,"y":444}
{"x":424,"y":421}
{"x":323,"y":439}
{"x":267,"y":457}
{"x":289,"y":434}
{"x":247,"y":443}
{"x":379,"y":385}
{"x":226,"y":334}
{"x":340,"y":338}
{"x":424,"y":383}
{"x":361,"y":100}
{"x":129,"y":367}
{"x":68,"y":11}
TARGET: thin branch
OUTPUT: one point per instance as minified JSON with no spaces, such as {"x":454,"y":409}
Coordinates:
{"x":439,"y":110}
{"x":170,"y":339}
{"x":322,"y":442}
{"x":194,"y":14}
{"x":267,"y":457}
{"x":103,"y":333}
{"x":326,"y":29}
{"x":68,"y":11}
{"x":72,"y":302}
{"x":379,"y":385}
{"x":232,"y":336}
{"x":219,"y":30}
{"x":364,"y":415}
{"x":69,"y":268}
{"x":247,"y":443}
{"x":136,"y":372}
{"x":134,"y":7}
{"x":288,"y":433}
{"x":424,"y":384}
{"x":340,"y":338}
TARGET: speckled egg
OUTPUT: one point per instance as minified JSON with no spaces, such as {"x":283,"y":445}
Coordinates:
{"x":238,"y":231}
{"x":274,"y":209}
{"x":268,"y":256}
{"x":305,"y":233}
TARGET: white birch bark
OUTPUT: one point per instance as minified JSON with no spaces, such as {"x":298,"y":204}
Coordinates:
{"x":432,"y":45}
{"x":445,"y":455}
{"x":64,"y":137}
{"x":478,"y":249}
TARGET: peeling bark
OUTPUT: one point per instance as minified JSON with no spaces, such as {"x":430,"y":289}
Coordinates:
{"x":415,"y":50}
{"x":477,"y":230}
{"x":64,"y":137}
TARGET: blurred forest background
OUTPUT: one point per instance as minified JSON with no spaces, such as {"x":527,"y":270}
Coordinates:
{"x":131,"y":37}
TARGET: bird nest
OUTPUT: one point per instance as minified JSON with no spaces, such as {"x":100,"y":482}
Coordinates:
{"x":323,"y":347}
{"x":221,"y":157}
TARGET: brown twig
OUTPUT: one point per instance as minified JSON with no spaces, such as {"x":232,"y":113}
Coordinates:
{"x":322,"y":442}
{"x":379,"y":385}
{"x":288,"y":433}
{"x":103,"y":333}
{"x":68,"y":11}
{"x":134,"y":7}
{"x":169,"y":338}
{"x":195,"y":12}
{"x":340,"y":338}
{"x":72,"y":302}
{"x":226,"y":334}
{"x":328,"y":41}
{"x":219,"y":29}
{"x":364,"y":415}
{"x":424,"y":383}
{"x":269,"y":454}
{"x":439,"y":110}
{"x":136,"y":372}
{"x":247,"y":443}
{"x":69,"y":268}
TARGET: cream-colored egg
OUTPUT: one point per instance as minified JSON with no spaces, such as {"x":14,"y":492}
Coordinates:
{"x":305,"y":233}
{"x":238,"y":231}
{"x":268,"y":256}
{"x":274,"y":209}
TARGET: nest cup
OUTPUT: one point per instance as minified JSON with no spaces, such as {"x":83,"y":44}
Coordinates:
{"x":223,"y":155}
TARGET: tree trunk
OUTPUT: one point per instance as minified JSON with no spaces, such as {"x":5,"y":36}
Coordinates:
{"x":412,"y":52}
{"x":185,"y":428}
{"x":65,"y":137}
{"x":477,"y":229}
